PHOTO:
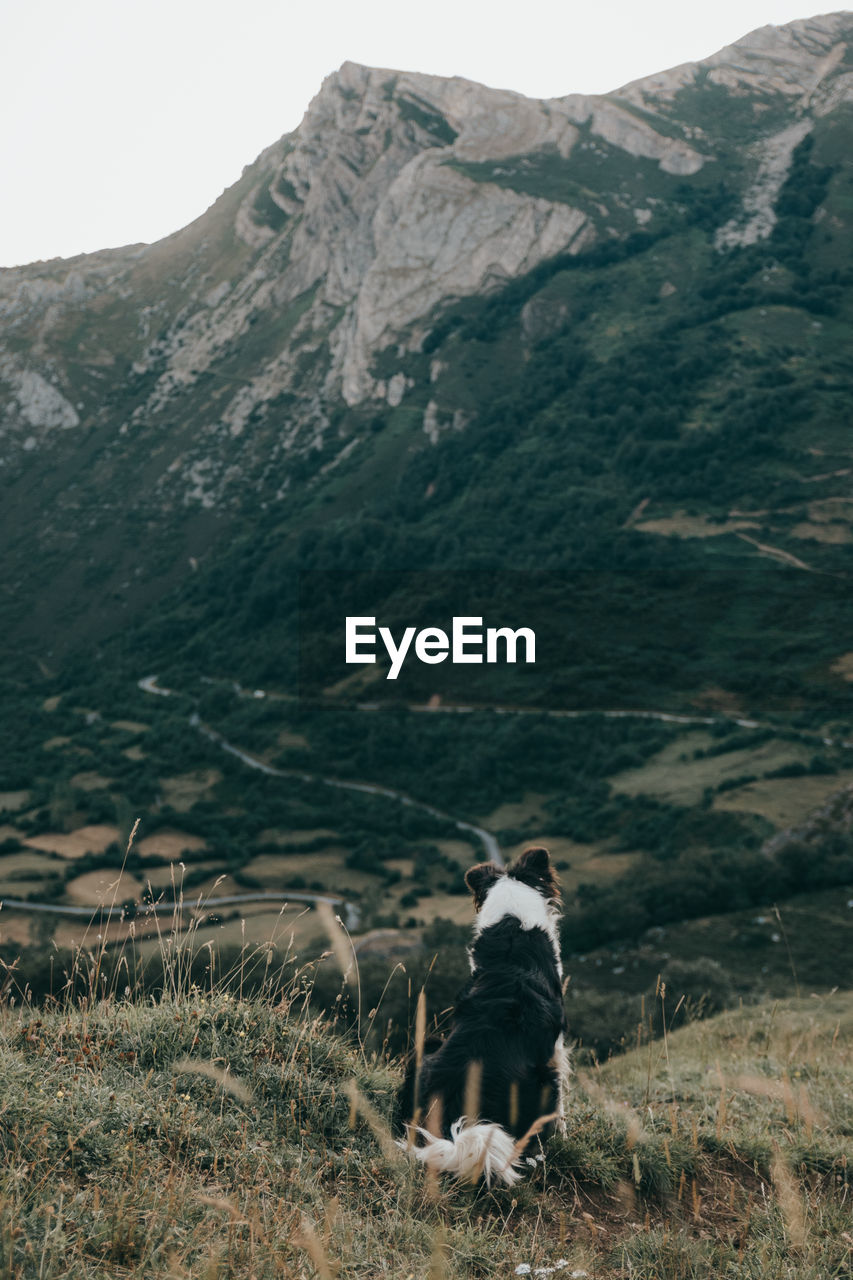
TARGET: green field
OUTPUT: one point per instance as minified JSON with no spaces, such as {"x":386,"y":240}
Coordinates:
{"x":657,"y":829}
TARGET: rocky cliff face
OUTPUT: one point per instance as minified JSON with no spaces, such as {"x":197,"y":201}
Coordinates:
{"x":196,"y":372}
{"x":347,"y":234}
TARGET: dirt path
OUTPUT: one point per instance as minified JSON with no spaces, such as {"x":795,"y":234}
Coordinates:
{"x":486,"y":838}
{"x":349,"y":912}
{"x":149,"y":684}
{"x":775,"y":553}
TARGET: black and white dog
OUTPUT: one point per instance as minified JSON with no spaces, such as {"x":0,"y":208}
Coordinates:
{"x":469,"y":1104}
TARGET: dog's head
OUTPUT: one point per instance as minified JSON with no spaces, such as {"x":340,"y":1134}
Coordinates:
{"x":528,"y":890}
{"x":533,"y":868}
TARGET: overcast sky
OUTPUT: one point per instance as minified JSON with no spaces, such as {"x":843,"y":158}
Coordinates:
{"x":122,"y":120}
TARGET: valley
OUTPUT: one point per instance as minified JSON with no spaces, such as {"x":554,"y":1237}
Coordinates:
{"x":684,"y":805}
{"x":579,"y":366}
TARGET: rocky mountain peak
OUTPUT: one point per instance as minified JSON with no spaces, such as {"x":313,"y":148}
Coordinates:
{"x":398,"y":193}
{"x":801,"y":60}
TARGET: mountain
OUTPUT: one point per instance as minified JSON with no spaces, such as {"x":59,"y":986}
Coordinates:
{"x":442,"y":325}
{"x":580,"y":365}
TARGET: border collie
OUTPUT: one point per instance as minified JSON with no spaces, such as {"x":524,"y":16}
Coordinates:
{"x":475,"y":1100}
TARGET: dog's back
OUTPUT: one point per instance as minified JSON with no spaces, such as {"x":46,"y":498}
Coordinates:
{"x":500,"y":1069}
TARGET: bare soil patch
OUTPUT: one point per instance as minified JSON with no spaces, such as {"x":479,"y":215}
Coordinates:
{"x":129,"y":726}
{"x":21,"y":889}
{"x":843,"y":666}
{"x":461,"y":852}
{"x":716,"y":699}
{"x":607,"y":866}
{"x":272,"y":835}
{"x":92,"y":839}
{"x":832,"y":533}
{"x":72,"y":934}
{"x":326,"y":867}
{"x":28,"y":866}
{"x":517,"y":814}
{"x":297,"y":922}
{"x":12,"y":801}
{"x":169,"y":844}
{"x":90,"y":781}
{"x":161,"y":877}
{"x":445,"y":906}
{"x":387,"y":943}
{"x":15,"y":927}
{"x":827,"y":510}
{"x":675,"y":776}
{"x":100,"y":888}
{"x":405,"y":866}
{"x":186,"y":789}
{"x":682,"y":525}
{"x":783,"y":801}
{"x":217,"y":884}
{"x":254,"y":924}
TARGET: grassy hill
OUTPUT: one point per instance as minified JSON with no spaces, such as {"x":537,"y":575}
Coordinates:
{"x":210,"y":1135}
{"x":641,"y":450}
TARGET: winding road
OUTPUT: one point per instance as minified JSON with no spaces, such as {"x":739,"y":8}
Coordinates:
{"x":105,"y":914}
{"x":348,"y":911}
{"x":489,"y":842}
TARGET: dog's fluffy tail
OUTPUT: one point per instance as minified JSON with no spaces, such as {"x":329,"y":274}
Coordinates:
{"x":472,"y":1151}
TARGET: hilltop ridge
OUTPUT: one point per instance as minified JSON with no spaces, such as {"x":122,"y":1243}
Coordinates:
{"x":256,"y":1140}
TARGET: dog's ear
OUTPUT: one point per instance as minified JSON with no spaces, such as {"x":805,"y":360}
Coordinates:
{"x":534,"y":868}
{"x":480,"y":879}
{"x":536,"y":860}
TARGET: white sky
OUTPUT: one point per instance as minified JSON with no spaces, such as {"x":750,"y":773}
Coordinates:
{"x":122,"y":120}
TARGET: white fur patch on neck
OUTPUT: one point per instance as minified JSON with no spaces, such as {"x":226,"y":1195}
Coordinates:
{"x":509,"y":897}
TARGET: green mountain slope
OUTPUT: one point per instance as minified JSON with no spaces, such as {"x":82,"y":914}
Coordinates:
{"x":648,"y":408}
{"x":443,"y":327}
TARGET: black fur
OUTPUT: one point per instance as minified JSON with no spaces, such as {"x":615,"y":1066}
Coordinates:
{"x":507,"y":1019}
